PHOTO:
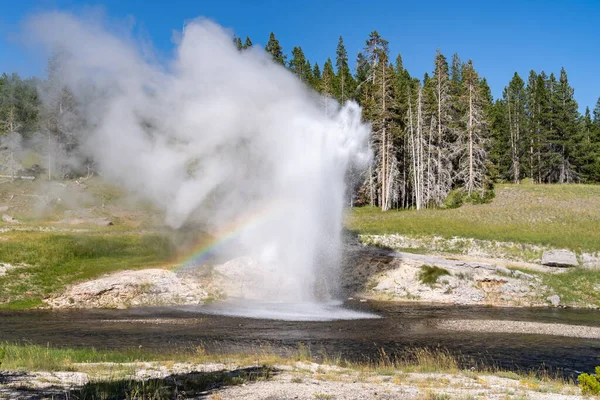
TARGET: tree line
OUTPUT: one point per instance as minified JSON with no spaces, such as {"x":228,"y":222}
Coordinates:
{"x":433,"y":136}
{"x":446,"y":132}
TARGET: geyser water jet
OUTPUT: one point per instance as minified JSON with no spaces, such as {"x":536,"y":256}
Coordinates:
{"x":220,"y":136}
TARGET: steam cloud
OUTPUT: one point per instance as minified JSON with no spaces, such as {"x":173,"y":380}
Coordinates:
{"x":217,"y":136}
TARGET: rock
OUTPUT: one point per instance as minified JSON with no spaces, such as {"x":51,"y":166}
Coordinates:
{"x":149,"y":287}
{"x":559,"y":258}
{"x":384,"y":285}
{"x":554,"y":300}
{"x":591,"y":260}
{"x":9,"y":219}
{"x":3,"y":208}
{"x":523,"y":275}
{"x":509,"y":288}
{"x":503,"y":270}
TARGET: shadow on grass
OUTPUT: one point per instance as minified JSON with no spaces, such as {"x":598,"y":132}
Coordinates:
{"x":195,"y":385}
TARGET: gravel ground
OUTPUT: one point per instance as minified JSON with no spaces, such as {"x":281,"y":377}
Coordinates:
{"x":538,"y":328}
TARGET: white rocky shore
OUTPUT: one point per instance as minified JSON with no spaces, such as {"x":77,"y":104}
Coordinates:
{"x":300,"y":380}
{"x":148,"y":287}
{"x":368,"y":272}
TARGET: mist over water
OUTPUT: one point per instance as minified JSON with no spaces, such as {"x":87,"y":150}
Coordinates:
{"x":218,"y":136}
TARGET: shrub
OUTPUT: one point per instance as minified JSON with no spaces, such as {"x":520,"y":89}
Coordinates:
{"x":455,"y":198}
{"x":429,"y":274}
{"x":480,"y":197}
{"x":458,"y":197}
{"x":589,"y":383}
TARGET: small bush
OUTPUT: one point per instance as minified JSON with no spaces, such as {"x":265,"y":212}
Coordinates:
{"x":429,"y":274}
{"x":458,"y":197}
{"x":455,"y":198}
{"x":589,"y":383}
{"x":480,"y":197}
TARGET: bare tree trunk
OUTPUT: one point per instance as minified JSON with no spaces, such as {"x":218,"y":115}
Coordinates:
{"x":371,"y":186}
{"x":420,"y":165}
{"x":384,"y":163}
{"x":440,"y":139}
{"x":470,"y":187}
{"x":413,"y":145}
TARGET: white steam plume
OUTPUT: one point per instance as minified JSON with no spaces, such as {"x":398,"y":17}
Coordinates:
{"x":214,"y":137}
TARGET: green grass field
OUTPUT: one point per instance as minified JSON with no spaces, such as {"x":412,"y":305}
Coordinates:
{"x":54,"y":260}
{"x":559,"y":216}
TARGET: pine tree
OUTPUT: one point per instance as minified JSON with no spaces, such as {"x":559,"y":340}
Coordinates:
{"x":300,"y":66}
{"x":274,"y":48}
{"x":587,"y":150}
{"x":515,"y":100}
{"x":316,"y":78}
{"x":563,"y":135}
{"x":345,"y":82}
{"x":596,"y":119}
{"x":441,"y":122}
{"x":327,"y":84}
{"x":247,"y":43}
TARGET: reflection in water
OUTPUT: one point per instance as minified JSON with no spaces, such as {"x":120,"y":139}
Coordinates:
{"x":401,"y":327}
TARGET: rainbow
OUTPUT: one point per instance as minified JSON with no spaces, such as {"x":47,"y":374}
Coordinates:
{"x":208,"y":244}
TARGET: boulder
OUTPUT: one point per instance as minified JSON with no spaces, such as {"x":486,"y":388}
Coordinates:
{"x":559,"y":258}
{"x":554,"y":300}
{"x":591,"y":260}
{"x":9,"y":219}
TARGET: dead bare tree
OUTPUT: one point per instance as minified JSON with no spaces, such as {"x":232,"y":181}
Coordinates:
{"x":470,"y":145}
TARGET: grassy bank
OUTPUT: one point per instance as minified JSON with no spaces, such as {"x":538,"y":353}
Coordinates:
{"x":45,"y":262}
{"x":559,"y":216}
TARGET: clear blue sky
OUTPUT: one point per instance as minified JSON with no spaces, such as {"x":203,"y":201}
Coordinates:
{"x":500,"y":36}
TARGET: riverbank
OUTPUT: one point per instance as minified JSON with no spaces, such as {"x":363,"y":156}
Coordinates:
{"x":263,"y":375}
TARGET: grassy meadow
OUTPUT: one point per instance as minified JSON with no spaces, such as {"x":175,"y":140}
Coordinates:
{"x":49,"y":261}
{"x":558,"y":216}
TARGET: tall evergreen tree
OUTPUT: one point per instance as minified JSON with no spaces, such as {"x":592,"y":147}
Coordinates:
{"x":247,"y":43}
{"x":326,"y":87}
{"x":345,"y":82}
{"x":515,"y":100}
{"x":237,"y":42}
{"x":274,"y":48}
{"x":316,"y":77}
{"x":300,"y":66}
{"x":441,"y":123}
{"x":563,"y":135}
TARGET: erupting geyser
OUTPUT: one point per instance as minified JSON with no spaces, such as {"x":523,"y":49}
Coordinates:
{"x":221,"y":136}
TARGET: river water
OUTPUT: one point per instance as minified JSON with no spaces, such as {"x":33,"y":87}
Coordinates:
{"x":400,"y":327}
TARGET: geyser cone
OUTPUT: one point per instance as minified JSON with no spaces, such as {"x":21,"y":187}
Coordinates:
{"x":220,"y":136}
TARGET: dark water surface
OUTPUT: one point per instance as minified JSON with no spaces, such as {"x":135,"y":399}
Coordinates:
{"x":401,"y":327}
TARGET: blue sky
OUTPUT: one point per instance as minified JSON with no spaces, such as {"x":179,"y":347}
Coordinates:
{"x":500,"y":36}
